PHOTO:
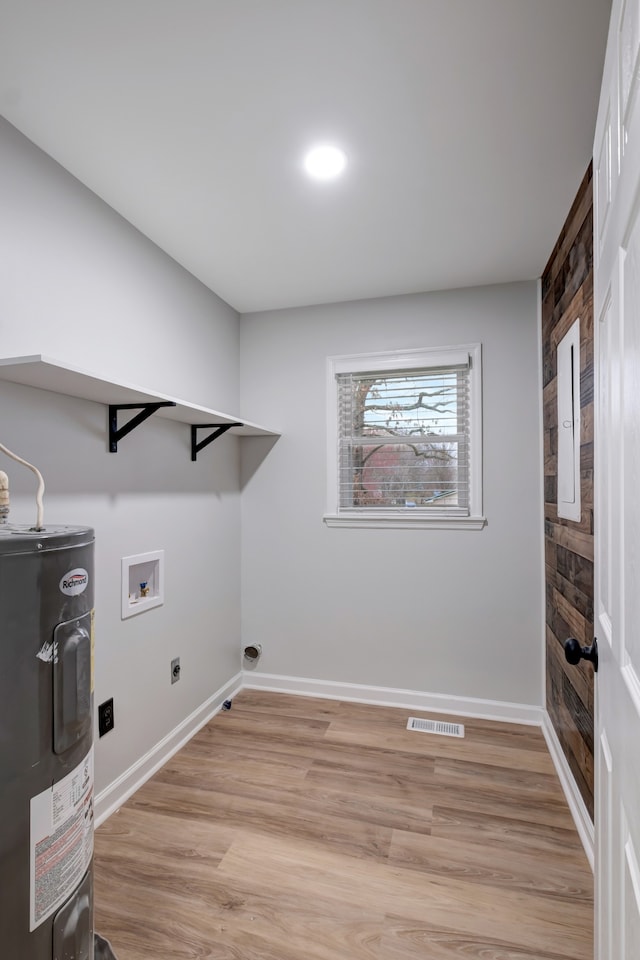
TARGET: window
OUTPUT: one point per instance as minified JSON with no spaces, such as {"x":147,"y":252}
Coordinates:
{"x":405,"y":439}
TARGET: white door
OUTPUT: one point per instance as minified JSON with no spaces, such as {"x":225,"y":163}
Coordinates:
{"x":617,"y":490}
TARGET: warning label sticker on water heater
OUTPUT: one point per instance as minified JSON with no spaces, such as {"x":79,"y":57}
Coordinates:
{"x":61,"y":840}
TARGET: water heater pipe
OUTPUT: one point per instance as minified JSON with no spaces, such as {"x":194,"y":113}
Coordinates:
{"x":40,"y":491}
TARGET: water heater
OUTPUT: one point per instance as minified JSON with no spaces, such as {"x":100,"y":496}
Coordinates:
{"x":46,"y":743}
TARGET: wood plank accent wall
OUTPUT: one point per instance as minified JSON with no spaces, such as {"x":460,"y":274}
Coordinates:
{"x":567,"y":293}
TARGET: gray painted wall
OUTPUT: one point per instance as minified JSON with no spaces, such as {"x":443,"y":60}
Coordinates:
{"x":447,"y":612}
{"x":80,"y":284}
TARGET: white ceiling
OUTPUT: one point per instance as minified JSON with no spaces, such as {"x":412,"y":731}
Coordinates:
{"x":468,"y":125}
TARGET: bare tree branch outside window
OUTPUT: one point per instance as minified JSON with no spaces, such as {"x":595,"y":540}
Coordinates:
{"x":404,"y":439}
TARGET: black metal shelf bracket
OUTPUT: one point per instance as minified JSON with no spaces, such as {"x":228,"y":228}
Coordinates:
{"x":218,"y":430}
{"x":146,"y":410}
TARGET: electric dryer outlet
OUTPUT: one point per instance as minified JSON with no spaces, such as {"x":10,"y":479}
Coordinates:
{"x":106,"y":717}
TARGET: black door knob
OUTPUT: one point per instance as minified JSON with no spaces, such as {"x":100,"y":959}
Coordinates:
{"x":575,"y":653}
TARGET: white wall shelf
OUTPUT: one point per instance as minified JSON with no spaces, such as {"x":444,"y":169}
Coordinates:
{"x":46,"y":373}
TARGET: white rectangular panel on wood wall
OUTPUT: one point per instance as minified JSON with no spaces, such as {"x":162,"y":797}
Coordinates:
{"x":568,"y":383}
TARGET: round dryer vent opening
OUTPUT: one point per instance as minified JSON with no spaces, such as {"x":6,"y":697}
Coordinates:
{"x":253,"y":653}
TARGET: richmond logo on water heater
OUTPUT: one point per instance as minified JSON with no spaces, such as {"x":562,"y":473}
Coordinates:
{"x":74,"y":582}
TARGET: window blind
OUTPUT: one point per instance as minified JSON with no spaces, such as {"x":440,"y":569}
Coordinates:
{"x":404,"y":440}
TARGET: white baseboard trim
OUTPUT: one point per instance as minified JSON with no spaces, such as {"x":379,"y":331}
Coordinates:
{"x":577,"y":806}
{"x":394,"y":697}
{"x":113,"y":796}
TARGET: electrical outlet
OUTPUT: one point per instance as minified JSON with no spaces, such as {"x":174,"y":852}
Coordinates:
{"x":106,"y":719}
{"x":175,"y":670}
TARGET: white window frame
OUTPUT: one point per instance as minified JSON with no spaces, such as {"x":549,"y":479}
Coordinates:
{"x":400,"y":360}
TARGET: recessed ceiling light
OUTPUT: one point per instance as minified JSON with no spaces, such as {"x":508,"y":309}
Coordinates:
{"x":325,"y":162}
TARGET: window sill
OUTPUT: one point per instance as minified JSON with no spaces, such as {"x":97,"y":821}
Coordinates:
{"x":403,"y":522}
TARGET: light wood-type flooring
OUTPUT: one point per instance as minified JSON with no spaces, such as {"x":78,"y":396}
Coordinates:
{"x":292,"y":828}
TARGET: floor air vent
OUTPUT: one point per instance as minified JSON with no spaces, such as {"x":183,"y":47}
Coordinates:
{"x":436,"y":726}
